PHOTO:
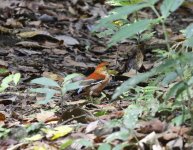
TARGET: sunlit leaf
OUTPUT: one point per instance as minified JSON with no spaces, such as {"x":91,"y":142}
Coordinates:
{"x":61,"y":131}
{"x":34,"y":137}
{"x":118,"y":13}
{"x":7,"y":80}
{"x":16,"y":78}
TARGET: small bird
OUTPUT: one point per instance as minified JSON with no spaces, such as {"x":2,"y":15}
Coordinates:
{"x":96,"y":81}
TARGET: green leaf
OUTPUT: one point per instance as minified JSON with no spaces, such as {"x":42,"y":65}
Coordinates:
{"x":16,"y":78}
{"x":35,"y":137}
{"x":130,"y":83}
{"x":7,"y":80}
{"x":48,"y":98}
{"x":169,"y":78}
{"x":73,"y":86}
{"x":49,"y":93}
{"x":71,"y":76}
{"x":3,"y":88}
{"x":131,"y":115}
{"x":123,"y":2}
{"x":129,"y":30}
{"x":188,"y":42}
{"x":66,"y":144}
{"x":104,"y":146}
{"x":121,"y":135}
{"x":84,"y":142}
{"x":179,"y":120}
{"x":3,"y":70}
{"x":118,"y":13}
{"x":45,"y":81}
{"x":61,"y":131}
{"x":120,"y":146}
{"x":43,"y":90}
{"x":180,"y":86}
{"x":189,"y":31}
{"x":169,"y":6}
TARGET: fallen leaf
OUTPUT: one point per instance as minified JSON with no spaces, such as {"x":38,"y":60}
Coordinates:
{"x":175,"y":144}
{"x":68,"y":40}
{"x":34,"y":137}
{"x":2,"y":116}
{"x":44,"y":115}
{"x":57,"y":132}
{"x":153,"y":125}
{"x":91,"y":126}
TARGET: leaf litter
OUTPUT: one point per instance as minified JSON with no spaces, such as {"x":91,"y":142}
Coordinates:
{"x":53,"y":39}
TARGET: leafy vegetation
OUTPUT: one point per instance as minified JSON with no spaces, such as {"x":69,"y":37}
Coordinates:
{"x":51,"y":87}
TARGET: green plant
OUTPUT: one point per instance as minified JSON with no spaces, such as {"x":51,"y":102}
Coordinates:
{"x":4,"y":132}
{"x":130,"y":30}
{"x":51,"y":87}
{"x":9,"y":81}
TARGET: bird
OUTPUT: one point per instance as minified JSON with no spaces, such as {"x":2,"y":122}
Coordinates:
{"x":94,"y":83}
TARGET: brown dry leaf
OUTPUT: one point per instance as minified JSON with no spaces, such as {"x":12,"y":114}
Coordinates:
{"x":99,"y":49}
{"x":77,"y":114}
{"x":70,"y":62}
{"x":5,"y":30}
{"x":2,"y":116}
{"x":153,"y":125}
{"x":37,"y":36}
{"x":14,"y":23}
{"x":131,"y":73}
{"x":29,"y":44}
{"x":30,"y":34}
{"x":51,"y":44}
{"x":53,"y":76}
{"x":59,"y":51}
{"x":188,"y":4}
{"x":180,"y":130}
{"x":169,"y":136}
{"x":43,"y":116}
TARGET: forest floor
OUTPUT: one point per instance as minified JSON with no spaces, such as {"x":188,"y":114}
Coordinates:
{"x":54,"y":39}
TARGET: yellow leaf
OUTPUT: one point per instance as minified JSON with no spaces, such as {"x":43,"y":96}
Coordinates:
{"x":61,"y":131}
{"x":35,"y":137}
